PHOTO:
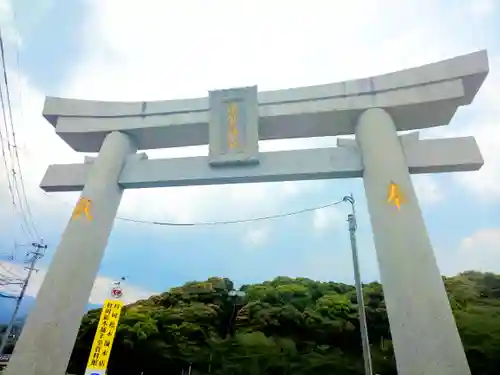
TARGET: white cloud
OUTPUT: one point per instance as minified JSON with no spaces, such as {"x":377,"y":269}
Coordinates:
{"x":327,"y":266}
{"x":100,"y":291}
{"x":37,"y":148}
{"x":484,"y":125}
{"x":480,"y":251}
{"x":480,"y":120}
{"x":482,"y":8}
{"x":131,"y":293}
{"x":485,"y":183}
{"x":7,"y":21}
{"x":328,"y":218}
{"x":256,"y":236}
{"x":165,"y":49}
{"x":427,"y":189}
{"x":175,"y":49}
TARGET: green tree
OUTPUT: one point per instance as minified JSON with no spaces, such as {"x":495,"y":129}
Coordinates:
{"x":286,"y":326}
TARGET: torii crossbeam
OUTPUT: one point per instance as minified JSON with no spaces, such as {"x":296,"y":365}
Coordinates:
{"x":424,"y":333}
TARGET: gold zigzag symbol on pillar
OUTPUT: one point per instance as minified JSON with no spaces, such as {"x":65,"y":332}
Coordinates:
{"x":395,"y":196}
{"x":232,"y":114}
{"x":83,"y":207}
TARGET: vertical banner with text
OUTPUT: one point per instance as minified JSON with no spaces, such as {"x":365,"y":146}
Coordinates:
{"x":106,"y":331}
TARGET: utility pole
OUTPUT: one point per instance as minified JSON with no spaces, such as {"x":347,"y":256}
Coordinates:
{"x":37,"y":253}
{"x":351,"y":219}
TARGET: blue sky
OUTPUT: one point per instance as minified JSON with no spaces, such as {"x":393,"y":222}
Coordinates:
{"x":120,"y":50}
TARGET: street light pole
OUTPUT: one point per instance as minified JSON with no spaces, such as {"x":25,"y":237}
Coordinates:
{"x":234,"y":294}
{"x":351,"y":219}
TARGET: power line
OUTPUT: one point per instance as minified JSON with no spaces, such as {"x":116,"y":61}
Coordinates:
{"x":4,"y":155}
{"x":226,"y":222}
{"x":12,"y":274}
{"x":11,"y":178}
{"x":18,"y":74}
{"x":14,"y":174}
{"x":213,"y":223}
{"x":12,"y":256}
{"x":23,"y":200}
{"x":36,"y":255}
{"x":2,"y":295}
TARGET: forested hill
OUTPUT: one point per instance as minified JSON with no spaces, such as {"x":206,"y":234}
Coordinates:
{"x":284,"y":326}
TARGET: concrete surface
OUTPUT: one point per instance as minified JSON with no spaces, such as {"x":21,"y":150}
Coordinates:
{"x":50,"y":331}
{"x":422,"y":156}
{"x":415,"y":98}
{"x":424,"y":334}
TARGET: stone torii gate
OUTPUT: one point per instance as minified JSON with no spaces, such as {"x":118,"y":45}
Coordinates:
{"x":424,"y":333}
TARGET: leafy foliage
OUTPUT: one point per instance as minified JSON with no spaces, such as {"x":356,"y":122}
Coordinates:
{"x":282,"y":327}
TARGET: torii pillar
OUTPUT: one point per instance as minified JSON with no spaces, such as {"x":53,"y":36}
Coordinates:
{"x":424,"y":333}
{"x":425,"y":337}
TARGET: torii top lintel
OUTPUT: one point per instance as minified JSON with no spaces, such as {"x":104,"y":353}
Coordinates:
{"x":416,"y":98}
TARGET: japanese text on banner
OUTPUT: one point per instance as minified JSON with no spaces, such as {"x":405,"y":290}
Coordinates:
{"x":106,"y":330}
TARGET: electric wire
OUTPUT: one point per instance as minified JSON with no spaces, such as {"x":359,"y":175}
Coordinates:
{"x":3,"y":295}
{"x":11,"y":179}
{"x":4,"y":155}
{"x":7,"y":169}
{"x":16,"y":153}
{"x":227,"y":222}
{"x":223,"y":222}
{"x":27,"y":225}
{"x":16,"y":160}
{"x":7,"y":280}
{"x":138,"y":221}
{"x":13,"y":274}
{"x":9,"y":283}
{"x":18,"y":78}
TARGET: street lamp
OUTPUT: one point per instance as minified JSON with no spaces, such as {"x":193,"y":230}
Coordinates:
{"x":351,"y":219}
{"x":235,"y":294}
